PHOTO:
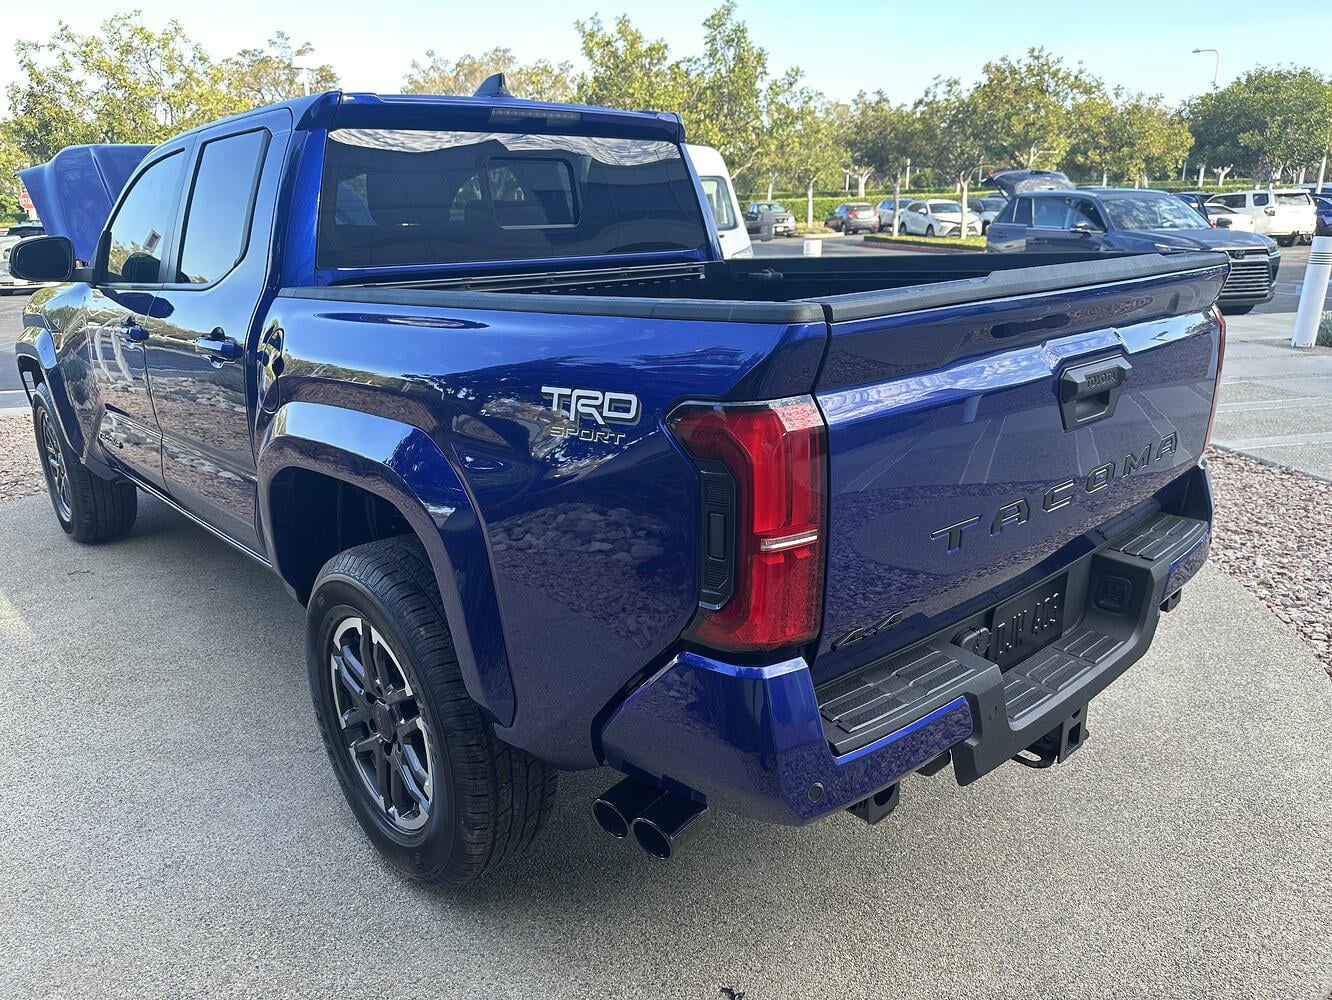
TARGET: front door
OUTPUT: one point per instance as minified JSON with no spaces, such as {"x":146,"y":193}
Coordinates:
{"x":201,"y":345}
{"x":120,"y":305}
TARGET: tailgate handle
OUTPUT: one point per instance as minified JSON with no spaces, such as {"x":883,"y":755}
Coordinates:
{"x":1088,"y":393}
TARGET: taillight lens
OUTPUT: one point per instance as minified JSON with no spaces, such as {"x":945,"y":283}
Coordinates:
{"x":776,"y":456}
{"x":1220,"y":362}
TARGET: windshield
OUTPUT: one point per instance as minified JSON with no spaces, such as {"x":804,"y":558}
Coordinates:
{"x":402,"y":197}
{"x":945,"y":206}
{"x":1151,"y":211}
{"x":1293,"y":198}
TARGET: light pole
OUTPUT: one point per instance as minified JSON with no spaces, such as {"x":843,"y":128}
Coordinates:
{"x":1216,"y":71}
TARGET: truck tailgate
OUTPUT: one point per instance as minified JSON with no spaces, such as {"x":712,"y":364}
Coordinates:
{"x":982,"y":433}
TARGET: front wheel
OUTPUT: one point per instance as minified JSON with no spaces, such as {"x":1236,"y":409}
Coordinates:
{"x":89,"y":508}
{"x":1285,"y":241}
{"x":440,"y":796}
{"x":929,"y":230}
{"x":1238,"y":310}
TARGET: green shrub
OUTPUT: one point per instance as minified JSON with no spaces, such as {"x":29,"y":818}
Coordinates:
{"x":1324,"y":338}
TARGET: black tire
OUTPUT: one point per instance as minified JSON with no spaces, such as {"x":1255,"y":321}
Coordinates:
{"x":1285,"y":241}
{"x":488,"y":800}
{"x":929,"y":230}
{"x":89,"y":508}
{"x":1238,"y":310}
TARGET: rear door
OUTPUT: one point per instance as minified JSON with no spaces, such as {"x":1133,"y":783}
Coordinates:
{"x":957,"y":478}
{"x":202,"y":345}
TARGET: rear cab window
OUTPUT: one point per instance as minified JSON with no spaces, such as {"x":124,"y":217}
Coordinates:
{"x":395,"y":197}
{"x":221,"y":205}
{"x":1298,"y":198}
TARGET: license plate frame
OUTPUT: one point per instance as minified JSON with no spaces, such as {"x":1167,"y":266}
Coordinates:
{"x":1028,"y":622}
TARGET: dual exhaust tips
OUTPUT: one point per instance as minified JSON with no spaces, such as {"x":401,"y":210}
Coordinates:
{"x":660,"y":822}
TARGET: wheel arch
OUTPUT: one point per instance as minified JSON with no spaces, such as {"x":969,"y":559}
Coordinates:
{"x":314,"y":455}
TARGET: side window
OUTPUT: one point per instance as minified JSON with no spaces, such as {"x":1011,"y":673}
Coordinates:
{"x":217,"y":221}
{"x":1087,"y":215}
{"x":1050,"y":213}
{"x":1005,"y":216}
{"x":719,"y":200}
{"x":1022,"y":214}
{"x":138,"y":231}
{"x":1259,"y":200}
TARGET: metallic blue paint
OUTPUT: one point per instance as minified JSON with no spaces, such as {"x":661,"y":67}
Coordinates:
{"x":751,"y":741}
{"x":74,"y":192}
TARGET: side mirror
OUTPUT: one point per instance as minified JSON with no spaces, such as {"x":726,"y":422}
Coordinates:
{"x":43,"y":258}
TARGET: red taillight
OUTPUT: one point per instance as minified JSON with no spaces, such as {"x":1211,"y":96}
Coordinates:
{"x":1220,"y":361}
{"x":771,"y":527}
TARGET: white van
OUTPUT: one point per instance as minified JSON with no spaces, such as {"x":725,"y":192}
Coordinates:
{"x":1286,"y":215}
{"x":726,"y":215}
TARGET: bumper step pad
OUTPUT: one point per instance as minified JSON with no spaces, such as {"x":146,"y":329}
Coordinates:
{"x":882,"y":697}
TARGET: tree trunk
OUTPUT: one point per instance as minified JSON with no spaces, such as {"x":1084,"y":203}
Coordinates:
{"x":1300,"y":179}
{"x":1202,"y":167}
{"x":1105,"y":178}
{"x":897,"y":197}
{"x":906,"y":183}
{"x":809,"y":203}
{"x":962,"y":228}
{"x":860,"y":184}
{"x":1322,"y":172}
{"x":770,"y":186}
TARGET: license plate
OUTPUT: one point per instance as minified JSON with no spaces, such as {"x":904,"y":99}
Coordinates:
{"x":1031,"y":621}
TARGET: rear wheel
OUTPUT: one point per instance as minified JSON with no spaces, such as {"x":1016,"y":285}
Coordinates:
{"x":436,"y":791}
{"x":89,"y":508}
{"x":1285,"y":241}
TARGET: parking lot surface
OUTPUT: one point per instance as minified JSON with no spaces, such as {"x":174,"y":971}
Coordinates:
{"x":171,"y":828}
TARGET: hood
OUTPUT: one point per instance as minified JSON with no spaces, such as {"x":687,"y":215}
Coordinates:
{"x":1197,"y":239}
{"x":1014,"y":182}
{"x":74,"y":193}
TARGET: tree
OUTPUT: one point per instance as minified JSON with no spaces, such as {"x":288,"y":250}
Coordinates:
{"x":777,"y":156}
{"x":1024,"y":108}
{"x":814,"y":141}
{"x":265,"y":76}
{"x":1267,"y":122}
{"x":886,"y":136}
{"x":627,"y":69}
{"x":959,"y":147}
{"x":538,"y":81}
{"x":1127,"y":135}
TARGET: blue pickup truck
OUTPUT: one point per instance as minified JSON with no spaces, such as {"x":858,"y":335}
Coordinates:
{"x":559,"y":487}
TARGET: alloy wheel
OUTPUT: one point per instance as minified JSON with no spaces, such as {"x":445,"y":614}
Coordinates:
{"x":53,"y":464}
{"x":383,"y":730}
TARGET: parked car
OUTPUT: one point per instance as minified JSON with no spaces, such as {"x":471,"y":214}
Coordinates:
{"x":16,"y":232}
{"x":1323,"y":206}
{"x":1287,"y":215}
{"x":1217,"y":215}
{"x":988,"y":208}
{"x":561,"y":488}
{"x":853,"y":217}
{"x":937,"y":217}
{"x":888,"y":208}
{"x":774,"y":213}
{"x":723,"y":205}
{"x":1138,"y":221}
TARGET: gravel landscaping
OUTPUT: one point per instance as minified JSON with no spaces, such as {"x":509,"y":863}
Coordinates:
{"x":20,"y":473}
{"x":1272,"y":532}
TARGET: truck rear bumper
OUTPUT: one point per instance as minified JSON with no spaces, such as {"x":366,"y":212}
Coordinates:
{"x":763,"y":742}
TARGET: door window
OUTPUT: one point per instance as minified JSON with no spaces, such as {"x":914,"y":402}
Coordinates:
{"x":1050,"y":213}
{"x":217,"y":222}
{"x":138,"y":231}
{"x":719,"y":200}
{"x":1086,"y":215}
{"x":1261,"y":199}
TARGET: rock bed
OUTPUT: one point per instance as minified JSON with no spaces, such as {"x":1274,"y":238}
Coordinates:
{"x":1273,"y":529}
{"x":20,"y":473}
{"x":1273,"y":533}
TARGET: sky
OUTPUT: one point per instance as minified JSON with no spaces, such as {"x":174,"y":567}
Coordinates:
{"x":848,"y":46}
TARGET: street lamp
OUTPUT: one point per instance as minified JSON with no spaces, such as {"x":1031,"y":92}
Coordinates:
{"x":1216,"y":72}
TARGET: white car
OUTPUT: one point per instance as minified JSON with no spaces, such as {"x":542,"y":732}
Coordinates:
{"x":988,"y":208}
{"x":723,"y":205}
{"x":8,"y":240}
{"x":1227,"y":218}
{"x":1285,"y":214}
{"x":887,"y":210}
{"x":937,"y":218}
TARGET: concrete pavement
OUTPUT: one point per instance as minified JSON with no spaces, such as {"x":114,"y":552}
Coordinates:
{"x":171,"y":827}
